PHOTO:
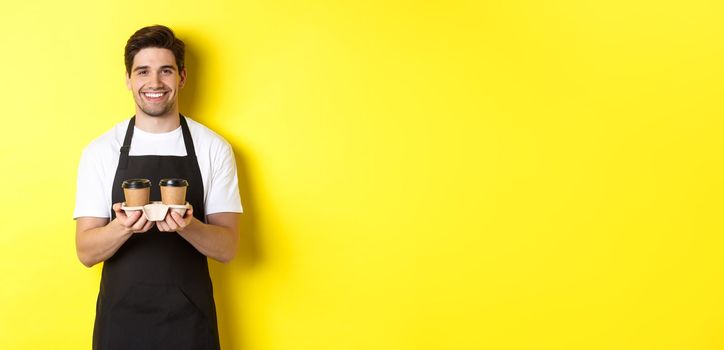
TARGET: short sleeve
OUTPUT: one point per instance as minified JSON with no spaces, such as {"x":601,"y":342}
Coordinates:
{"x":89,"y":196}
{"x":223,"y":192}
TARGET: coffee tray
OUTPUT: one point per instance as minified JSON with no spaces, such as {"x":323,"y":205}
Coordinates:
{"x":156,"y":211}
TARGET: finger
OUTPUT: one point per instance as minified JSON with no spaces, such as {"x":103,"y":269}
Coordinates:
{"x":178,"y":219}
{"x":189,"y":212}
{"x":162,"y":226}
{"x":131,"y":218}
{"x":172,"y":226}
{"x":147,"y":226}
{"x":138,"y":226}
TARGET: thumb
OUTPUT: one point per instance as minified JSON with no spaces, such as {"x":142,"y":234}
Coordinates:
{"x":119,"y":212}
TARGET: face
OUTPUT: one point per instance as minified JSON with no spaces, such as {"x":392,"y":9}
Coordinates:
{"x":155,"y":81}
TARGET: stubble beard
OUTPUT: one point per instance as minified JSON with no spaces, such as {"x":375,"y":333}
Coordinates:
{"x":157,"y":112}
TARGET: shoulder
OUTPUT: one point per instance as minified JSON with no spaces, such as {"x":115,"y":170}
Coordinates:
{"x":108,"y":143}
{"x":205,"y":139}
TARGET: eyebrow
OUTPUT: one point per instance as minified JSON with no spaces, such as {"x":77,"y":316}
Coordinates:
{"x":147,"y":67}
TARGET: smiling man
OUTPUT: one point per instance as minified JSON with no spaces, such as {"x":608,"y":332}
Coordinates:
{"x":155,"y":290}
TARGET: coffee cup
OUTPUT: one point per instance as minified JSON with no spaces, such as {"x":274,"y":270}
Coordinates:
{"x":173,"y":191}
{"x":137,"y":192}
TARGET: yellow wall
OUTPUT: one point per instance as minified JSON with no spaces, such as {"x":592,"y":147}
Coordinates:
{"x":417,"y":175}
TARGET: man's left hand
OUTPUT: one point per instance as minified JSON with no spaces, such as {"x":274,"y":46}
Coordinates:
{"x":174,"y":222}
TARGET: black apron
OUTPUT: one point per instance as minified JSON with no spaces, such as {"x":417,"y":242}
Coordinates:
{"x":155,"y":290}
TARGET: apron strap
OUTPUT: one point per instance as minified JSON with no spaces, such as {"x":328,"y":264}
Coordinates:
{"x":126,"y":148}
{"x":188,"y":142}
{"x":123,"y":161}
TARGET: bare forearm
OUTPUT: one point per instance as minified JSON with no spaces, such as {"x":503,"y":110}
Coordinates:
{"x":216,"y":242}
{"x":100,"y":243}
{"x":97,"y":239}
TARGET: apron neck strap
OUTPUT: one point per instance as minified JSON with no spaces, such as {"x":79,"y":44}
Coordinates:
{"x":123,"y":161}
{"x":188,"y":141}
{"x":126,"y":148}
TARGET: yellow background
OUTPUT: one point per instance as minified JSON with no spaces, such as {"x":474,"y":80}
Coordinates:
{"x":416,"y":175}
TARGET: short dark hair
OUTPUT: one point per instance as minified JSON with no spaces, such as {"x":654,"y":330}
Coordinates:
{"x":154,"y":36}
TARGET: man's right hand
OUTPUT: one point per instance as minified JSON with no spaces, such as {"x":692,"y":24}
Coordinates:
{"x":136,"y":222}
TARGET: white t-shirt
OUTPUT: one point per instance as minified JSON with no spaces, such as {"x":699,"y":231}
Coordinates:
{"x":99,"y":161}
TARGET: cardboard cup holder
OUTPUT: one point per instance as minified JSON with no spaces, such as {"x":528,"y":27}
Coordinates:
{"x":156,"y":211}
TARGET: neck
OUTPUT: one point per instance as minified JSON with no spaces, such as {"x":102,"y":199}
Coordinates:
{"x":161,"y":124}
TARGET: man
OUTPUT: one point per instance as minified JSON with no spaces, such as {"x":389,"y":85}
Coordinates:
{"x":155,"y":289}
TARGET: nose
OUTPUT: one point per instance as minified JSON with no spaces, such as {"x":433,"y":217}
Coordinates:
{"x":155,"y":80}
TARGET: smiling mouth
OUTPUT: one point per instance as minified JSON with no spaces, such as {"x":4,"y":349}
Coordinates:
{"x":154,"y":96}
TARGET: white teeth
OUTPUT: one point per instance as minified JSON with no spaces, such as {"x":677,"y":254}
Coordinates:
{"x":153,"y":95}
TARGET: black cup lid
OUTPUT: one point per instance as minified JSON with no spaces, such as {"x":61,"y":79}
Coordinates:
{"x":174,"y":182}
{"x":136,"y":183}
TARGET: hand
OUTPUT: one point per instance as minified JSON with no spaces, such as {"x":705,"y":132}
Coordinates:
{"x":174,"y":222}
{"x":136,"y":222}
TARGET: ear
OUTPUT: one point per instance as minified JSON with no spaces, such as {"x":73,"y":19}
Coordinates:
{"x":182,"y":82}
{"x":128,"y":81}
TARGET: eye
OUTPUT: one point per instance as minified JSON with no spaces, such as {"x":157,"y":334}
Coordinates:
{"x":142,"y":72}
{"x":167,"y":71}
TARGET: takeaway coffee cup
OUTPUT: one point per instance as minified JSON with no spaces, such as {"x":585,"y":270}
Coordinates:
{"x":173,"y":191}
{"x":137,"y":192}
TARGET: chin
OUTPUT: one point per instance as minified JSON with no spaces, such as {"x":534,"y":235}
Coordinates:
{"x":156,"y":113}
